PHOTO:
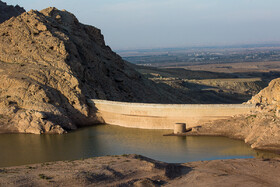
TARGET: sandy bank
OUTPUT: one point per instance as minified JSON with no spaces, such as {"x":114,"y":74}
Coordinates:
{"x":135,"y":170}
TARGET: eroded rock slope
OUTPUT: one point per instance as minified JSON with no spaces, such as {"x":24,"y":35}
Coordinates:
{"x":260,"y":128}
{"x":50,"y":64}
{"x":269,"y":97}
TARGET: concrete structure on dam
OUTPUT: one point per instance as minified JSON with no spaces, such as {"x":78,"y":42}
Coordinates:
{"x":164,"y":116}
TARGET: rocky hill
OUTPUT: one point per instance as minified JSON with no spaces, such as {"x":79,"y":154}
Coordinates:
{"x":8,"y":11}
{"x":50,"y":64}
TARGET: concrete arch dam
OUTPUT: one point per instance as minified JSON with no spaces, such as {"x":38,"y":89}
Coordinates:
{"x":163,"y":116}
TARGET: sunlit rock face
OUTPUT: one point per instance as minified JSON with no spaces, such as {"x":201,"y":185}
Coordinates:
{"x":269,"y":96}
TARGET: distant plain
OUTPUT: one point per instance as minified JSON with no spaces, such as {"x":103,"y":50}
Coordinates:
{"x":218,"y":74}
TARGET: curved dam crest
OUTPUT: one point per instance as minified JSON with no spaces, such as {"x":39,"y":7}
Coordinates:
{"x":163,"y":116}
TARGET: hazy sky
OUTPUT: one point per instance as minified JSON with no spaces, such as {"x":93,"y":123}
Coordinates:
{"x":174,"y":23}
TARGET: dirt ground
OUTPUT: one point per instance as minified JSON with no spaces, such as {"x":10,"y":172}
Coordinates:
{"x":136,"y":170}
{"x":236,"y":67}
{"x":216,"y":83}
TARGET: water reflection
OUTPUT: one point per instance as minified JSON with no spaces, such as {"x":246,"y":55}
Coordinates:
{"x":18,"y":149}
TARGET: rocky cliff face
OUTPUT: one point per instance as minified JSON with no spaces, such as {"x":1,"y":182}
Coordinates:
{"x":269,"y":96}
{"x":8,"y":11}
{"x":50,"y":64}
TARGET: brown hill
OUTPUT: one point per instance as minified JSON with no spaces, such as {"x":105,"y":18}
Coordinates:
{"x":8,"y":11}
{"x":50,"y":64}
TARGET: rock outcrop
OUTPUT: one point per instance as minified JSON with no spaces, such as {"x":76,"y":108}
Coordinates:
{"x":8,"y":11}
{"x":50,"y":64}
{"x":269,"y":97}
{"x":260,"y":128}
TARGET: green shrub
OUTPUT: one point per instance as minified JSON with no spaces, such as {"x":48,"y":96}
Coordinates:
{"x":42,"y":176}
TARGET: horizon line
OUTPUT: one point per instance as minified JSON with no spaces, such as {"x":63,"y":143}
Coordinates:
{"x":238,"y":45}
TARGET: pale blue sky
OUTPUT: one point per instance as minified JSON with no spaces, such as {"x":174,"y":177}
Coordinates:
{"x":174,"y":23}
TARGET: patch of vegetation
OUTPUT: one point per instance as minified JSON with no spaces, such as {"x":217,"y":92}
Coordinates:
{"x":251,"y":116}
{"x":30,"y":167}
{"x":45,"y":164}
{"x":42,"y":176}
{"x":1,"y":116}
{"x":3,"y":171}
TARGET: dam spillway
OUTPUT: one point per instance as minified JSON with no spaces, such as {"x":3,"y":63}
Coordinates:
{"x":163,"y":116}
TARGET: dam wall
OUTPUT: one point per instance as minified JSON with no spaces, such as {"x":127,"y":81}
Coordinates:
{"x":163,"y":116}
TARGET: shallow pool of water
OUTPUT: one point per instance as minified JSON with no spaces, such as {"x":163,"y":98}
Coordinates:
{"x":101,"y":140}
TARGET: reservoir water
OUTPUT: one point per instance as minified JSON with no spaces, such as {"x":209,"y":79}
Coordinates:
{"x":101,"y":140}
